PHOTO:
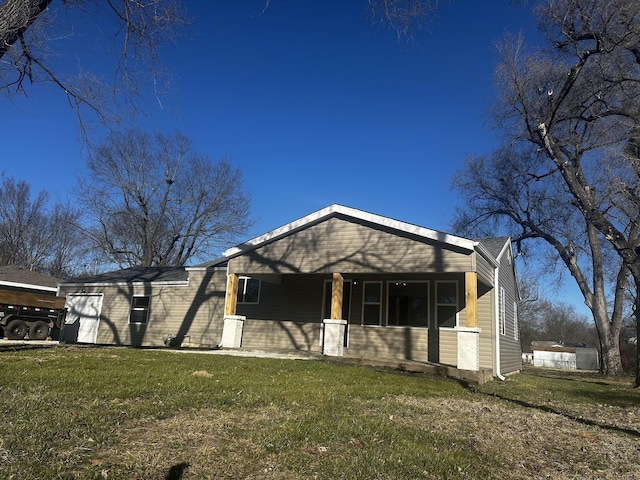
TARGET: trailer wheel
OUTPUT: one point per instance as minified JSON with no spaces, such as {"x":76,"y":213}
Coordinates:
{"x":16,"y":330}
{"x":39,"y":330}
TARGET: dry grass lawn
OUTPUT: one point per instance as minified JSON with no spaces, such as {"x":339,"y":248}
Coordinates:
{"x":135,"y":414}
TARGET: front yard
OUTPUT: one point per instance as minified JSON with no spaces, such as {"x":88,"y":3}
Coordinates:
{"x":80,"y":412}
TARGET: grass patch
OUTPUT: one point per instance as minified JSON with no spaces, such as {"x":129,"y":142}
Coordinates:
{"x":79,"y":412}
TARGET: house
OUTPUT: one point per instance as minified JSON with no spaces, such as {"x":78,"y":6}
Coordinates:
{"x":18,"y":279}
{"x":340,"y":281}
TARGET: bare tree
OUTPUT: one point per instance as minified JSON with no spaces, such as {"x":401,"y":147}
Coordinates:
{"x":405,"y":16}
{"x":153,"y":201}
{"x":34,"y":235}
{"x":512,"y":190}
{"x":29,"y":30}
{"x":577,"y":105}
{"x":555,"y":322}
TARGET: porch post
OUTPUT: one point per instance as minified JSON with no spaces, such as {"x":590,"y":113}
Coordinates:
{"x":334,"y":327}
{"x":231,"y":296}
{"x":337,"y":288}
{"x":233,"y":324}
{"x":471,"y":298}
{"x":469,"y":335}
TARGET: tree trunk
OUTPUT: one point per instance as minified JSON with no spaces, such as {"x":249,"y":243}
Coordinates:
{"x":15,"y":17}
{"x":609,"y":344}
{"x":636,"y":383}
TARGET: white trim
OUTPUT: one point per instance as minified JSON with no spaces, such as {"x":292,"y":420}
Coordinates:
{"x":139,"y":309}
{"x":29,"y":286}
{"x":516,"y":326}
{"x":482,"y":250}
{"x":496,"y":313}
{"x":354,"y":213}
{"x":468,"y":329}
{"x":244,"y":290}
{"x":502,"y":310}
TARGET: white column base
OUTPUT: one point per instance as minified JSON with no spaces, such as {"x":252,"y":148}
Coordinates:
{"x":468,"y":348}
{"x":333,"y":344}
{"x":232,"y":331}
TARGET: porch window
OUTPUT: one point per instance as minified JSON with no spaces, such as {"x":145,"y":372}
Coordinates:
{"x":447,"y":304}
{"x":139,"y":312}
{"x":372,"y":303}
{"x":408,"y":304}
{"x":248,"y":290}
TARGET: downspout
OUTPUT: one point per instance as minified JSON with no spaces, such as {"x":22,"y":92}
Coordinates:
{"x":496,"y":310}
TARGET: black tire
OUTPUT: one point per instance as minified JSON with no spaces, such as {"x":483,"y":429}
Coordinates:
{"x":16,"y":330}
{"x":39,"y":330}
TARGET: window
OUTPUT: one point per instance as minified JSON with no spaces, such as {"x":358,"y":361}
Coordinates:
{"x":447,"y":304}
{"x":503,"y":327}
{"x":139,"y":310}
{"x":516,"y":327}
{"x":408,"y":304}
{"x":248,"y":290}
{"x":372,"y":303}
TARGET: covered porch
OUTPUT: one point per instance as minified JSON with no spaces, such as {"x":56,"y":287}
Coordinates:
{"x":429,"y":318}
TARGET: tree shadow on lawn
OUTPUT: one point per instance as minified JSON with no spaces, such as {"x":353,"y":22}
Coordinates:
{"x":578,"y":419}
{"x":14,"y":347}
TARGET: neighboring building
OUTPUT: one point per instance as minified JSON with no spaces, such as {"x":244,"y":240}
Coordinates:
{"x":339,"y":281}
{"x":17,"y":279}
{"x":565,"y":356}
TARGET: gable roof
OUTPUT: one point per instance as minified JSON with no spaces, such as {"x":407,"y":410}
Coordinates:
{"x":494,"y":245}
{"x":136,"y":275}
{"x":340,"y":210}
{"x":14,"y":276}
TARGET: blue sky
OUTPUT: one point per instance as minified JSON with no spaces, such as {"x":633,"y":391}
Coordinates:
{"x":310,"y":100}
{"x":314,"y":103}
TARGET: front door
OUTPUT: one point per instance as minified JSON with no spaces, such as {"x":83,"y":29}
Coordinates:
{"x":83,"y":317}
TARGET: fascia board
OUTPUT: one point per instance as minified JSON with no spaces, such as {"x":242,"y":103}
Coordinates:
{"x":482,"y":250}
{"x":29,"y":286}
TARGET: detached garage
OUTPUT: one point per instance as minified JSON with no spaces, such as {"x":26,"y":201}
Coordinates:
{"x":565,"y":357}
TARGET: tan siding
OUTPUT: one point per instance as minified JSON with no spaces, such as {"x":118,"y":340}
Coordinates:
{"x":510,"y":350}
{"x":388,"y":343}
{"x":486,"y":271}
{"x":486,"y":323}
{"x":195,"y":311}
{"x":340,"y":245}
{"x":449,"y":347}
{"x":281,"y":335}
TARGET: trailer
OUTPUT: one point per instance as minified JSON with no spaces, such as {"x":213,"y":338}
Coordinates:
{"x":31,"y":315}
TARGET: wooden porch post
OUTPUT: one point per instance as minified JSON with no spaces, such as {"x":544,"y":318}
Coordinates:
{"x":231,"y":297}
{"x":471,"y":298}
{"x":336,"y":296}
